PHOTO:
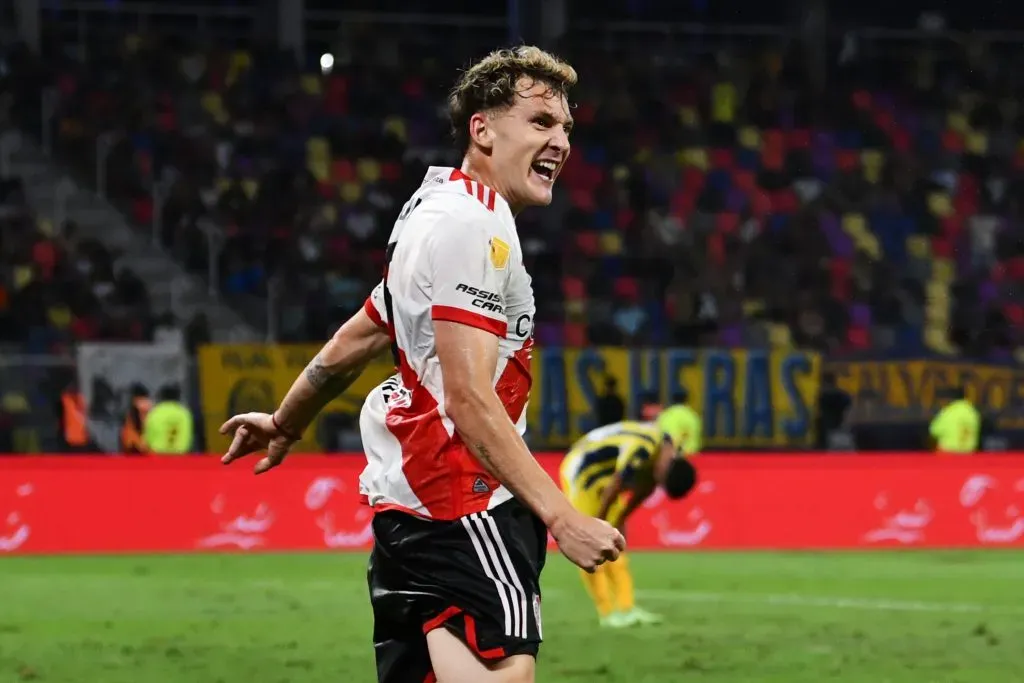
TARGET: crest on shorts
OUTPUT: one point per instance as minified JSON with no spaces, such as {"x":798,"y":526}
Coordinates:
{"x":499,"y":253}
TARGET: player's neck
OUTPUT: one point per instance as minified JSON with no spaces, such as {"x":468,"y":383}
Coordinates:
{"x":481,"y":172}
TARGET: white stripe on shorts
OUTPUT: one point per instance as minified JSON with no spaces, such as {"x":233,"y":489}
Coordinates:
{"x":511,"y":569}
{"x":480,"y":542}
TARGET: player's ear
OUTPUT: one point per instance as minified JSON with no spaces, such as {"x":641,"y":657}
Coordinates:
{"x":668,"y":449}
{"x":480,"y":131}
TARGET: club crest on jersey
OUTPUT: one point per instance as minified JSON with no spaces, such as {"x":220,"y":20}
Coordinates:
{"x":499,"y":253}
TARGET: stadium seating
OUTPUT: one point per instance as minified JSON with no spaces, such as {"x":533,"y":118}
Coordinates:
{"x":56,"y":288}
{"x":305,"y":172}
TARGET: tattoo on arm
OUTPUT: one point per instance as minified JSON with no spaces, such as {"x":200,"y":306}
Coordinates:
{"x":302,"y":402}
{"x":316,"y":373}
{"x":324,"y":381}
{"x":484,"y":455}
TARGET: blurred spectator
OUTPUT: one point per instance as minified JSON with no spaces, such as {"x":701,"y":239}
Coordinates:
{"x":74,"y":419}
{"x":956,"y":428}
{"x":610,"y":406}
{"x":56,"y":289}
{"x":832,"y":413}
{"x":132,"y":431}
{"x":650,"y":407}
{"x":169,"y":428}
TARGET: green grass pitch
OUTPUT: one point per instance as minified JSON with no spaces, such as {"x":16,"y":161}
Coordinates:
{"x":892,"y":617}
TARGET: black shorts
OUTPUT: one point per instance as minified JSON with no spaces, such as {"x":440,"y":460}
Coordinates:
{"x":478,"y":577}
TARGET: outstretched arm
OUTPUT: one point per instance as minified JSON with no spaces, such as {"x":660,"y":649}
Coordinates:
{"x":341,"y":360}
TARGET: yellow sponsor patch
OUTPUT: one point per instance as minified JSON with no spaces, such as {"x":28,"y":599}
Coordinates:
{"x":499,"y":253}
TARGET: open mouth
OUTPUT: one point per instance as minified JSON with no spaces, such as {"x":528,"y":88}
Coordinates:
{"x":545,"y":169}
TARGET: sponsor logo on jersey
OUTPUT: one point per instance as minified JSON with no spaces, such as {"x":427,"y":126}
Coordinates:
{"x":499,"y":253}
{"x":482,"y":299}
{"x":480,"y":486}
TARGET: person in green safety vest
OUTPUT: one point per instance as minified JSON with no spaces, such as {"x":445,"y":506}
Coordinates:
{"x":956,"y":429}
{"x":169,"y":426}
{"x":683,"y":424}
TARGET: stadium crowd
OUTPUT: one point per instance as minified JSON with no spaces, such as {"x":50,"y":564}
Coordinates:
{"x":717,"y":198}
{"x":56,"y":288}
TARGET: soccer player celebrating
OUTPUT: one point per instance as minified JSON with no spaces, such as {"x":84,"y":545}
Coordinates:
{"x":462,"y":509}
{"x":609,"y":473}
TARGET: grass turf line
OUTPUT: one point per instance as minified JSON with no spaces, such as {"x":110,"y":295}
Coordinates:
{"x":899,"y":617}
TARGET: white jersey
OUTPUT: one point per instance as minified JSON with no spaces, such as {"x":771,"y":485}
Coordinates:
{"x":454,"y":255}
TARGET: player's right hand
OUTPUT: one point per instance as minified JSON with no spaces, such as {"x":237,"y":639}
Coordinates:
{"x":254,"y":432}
{"x":587,"y":541}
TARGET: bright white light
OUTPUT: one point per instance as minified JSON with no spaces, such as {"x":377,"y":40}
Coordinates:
{"x":326,"y":61}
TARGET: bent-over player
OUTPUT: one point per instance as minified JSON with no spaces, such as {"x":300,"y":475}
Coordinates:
{"x":609,"y":473}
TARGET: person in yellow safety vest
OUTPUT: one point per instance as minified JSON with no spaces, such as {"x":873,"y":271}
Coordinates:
{"x":956,"y":429}
{"x":683,"y":424}
{"x":132,"y":440}
{"x":169,"y":426}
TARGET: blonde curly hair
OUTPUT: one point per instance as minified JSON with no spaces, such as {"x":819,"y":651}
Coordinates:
{"x":493,"y":83}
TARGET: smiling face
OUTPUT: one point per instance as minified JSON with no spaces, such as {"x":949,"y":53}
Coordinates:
{"x":510,"y":117}
{"x":524,"y":146}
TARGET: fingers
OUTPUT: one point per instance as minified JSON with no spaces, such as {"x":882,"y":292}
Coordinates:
{"x":234,"y":423}
{"x":275,"y":456}
{"x":617,"y":544}
{"x":265,"y":464}
{"x":605,"y":555}
{"x":239,"y":424}
{"x":268,"y":462}
{"x":239,"y":445}
{"x":600,"y":543}
{"x":249,"y":437}
{"x":609,"y":554}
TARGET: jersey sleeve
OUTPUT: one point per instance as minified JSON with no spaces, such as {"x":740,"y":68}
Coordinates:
{"x":374,"y":306}
{"x":467,"y":268}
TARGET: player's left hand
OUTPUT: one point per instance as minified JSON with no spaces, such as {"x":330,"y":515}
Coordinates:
{"x":255,"y":432}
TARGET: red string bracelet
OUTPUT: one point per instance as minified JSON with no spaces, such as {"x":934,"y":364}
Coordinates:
{"x":282,"y":431}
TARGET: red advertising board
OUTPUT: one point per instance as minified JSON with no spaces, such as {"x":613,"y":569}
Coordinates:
{"x":115,"y":504}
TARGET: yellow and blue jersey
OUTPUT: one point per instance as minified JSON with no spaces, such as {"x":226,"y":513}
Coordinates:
{"x":628,"y":449}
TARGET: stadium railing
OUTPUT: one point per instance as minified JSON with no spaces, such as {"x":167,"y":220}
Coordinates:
{"x":30,"y":391}
{"x":30,"y":388}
